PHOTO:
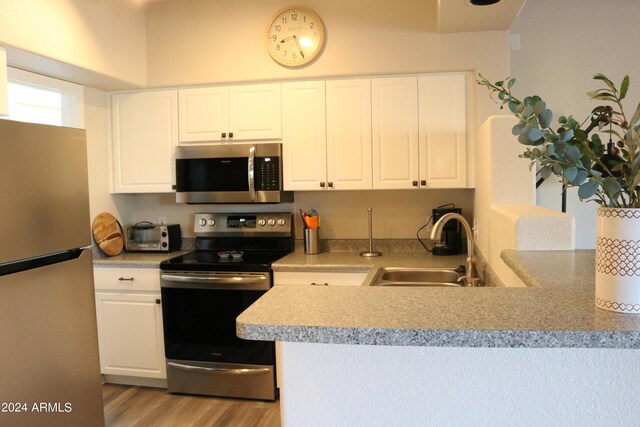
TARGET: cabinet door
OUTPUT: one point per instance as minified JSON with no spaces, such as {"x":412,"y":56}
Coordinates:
{"x":304,"y":136}
{"x":395,"y":132}
{"x":320,"y":278}
{"x":130,"y":334}
{"x":349,"y":134}
{"x":255,"y":112}
{"x":203,"y":114}
{"x":145,"y":133}
{"x":443,"y":130}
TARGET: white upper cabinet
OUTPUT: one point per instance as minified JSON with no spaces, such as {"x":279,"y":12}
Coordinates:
{"x":145,"y":133}
{"x":204,"y":115}
{"x":304,"y":135}
{"x":395,"y":132}
{"x":349,"y":134}
{"x":443,"y":130}
{"x":235,"y":113}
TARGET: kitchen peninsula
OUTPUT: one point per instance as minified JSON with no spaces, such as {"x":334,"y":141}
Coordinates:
{"x":371,"y":355}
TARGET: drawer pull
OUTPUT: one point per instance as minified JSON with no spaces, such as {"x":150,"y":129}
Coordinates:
{"x":125,"y":279}
{"x":158,"y":301}
{"x":319,"y":284}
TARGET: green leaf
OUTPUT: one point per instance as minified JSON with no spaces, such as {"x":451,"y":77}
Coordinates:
{"x":539,"y":107}
{"x":624,"y":87}
{"x":528,"y":110}
{"x":588,"y":189}
{"x":562,"y":120}
{"x":545,"y":118}
{"x":566,"y":135}
{"x":580,"y":135}
{"x":570,"y":173}
{"x":510,"y":83}
{"x":535,"y":134}
{"x":517,"y":129}
{"x":572,"y":154}
{"x":580,"y":177}
{"x":499,"y":83}
{"x":636,"y":116}
{"x":557,"y":169}
{"x":545,"y":172}
{"x":513,"y":107}
{"x":605,"y":79}
{"x":611,"y":185}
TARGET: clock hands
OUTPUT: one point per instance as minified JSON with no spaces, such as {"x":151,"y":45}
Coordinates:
{"x":299,"y":47}
{"x":286,"y":39}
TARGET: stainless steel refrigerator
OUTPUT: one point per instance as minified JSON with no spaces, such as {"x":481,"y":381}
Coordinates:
{"x":49,"y":366}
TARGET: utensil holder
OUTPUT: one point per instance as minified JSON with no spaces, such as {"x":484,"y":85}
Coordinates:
{"x":311,"y":243}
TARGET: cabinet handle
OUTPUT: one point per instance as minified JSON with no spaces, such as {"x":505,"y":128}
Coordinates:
{"x":415,"y":183}
{"x":330,"y":184}
{"x":126,"y":279}
{"x":322,"y":184}
{"x":230,"y":134}
{"x":423,"y":182}
{"x":224,"y":134}
{"x":319,"y":284}
{"x":158,"y":301}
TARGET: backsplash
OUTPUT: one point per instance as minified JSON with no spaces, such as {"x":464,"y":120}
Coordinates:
{"x":397,"y":214}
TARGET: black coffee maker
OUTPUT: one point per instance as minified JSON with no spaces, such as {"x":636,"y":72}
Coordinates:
{"x":451,"y":233}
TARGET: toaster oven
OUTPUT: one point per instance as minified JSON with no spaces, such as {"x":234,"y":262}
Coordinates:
{"x":148,"y":237}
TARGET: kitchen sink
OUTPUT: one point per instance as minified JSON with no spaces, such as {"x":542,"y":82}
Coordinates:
{"x":417,"y":277}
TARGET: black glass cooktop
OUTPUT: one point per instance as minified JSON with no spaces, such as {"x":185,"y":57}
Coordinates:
{"x":224,"y":261}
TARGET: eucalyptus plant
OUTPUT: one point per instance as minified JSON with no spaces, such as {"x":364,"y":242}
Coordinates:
{"x":574,"y":150}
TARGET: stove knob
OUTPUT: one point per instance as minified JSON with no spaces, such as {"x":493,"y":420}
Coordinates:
{"x":281,"y":222}
{"x":262,"y":222}
{"x":271,"y":222}
{"x":203,"y":222}
{"x":212,"y":222}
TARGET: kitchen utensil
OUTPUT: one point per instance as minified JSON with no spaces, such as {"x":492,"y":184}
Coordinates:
{"x":107,"y":233}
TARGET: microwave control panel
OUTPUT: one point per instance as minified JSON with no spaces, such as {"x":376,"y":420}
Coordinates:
{"x":267,"y":174}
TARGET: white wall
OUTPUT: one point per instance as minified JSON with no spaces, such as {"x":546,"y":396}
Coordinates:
{"x":100,"y":43}
{"x":365,"y":385}
{"x":564,"y":43}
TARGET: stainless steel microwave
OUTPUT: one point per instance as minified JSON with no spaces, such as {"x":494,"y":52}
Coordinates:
{"x":230,"y":173}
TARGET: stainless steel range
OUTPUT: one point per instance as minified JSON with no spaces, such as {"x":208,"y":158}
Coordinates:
{"x":204,"y":291}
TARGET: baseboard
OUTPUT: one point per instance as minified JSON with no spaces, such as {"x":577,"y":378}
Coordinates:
{"x":139,"y":381}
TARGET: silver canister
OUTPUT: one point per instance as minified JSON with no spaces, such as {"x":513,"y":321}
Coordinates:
{"x":311,"y":243}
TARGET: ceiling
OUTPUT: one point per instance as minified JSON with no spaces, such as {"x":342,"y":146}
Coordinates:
{"x":458,"y":16}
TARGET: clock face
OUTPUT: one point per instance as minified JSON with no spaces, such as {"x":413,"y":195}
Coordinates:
{"x":295,"y":36}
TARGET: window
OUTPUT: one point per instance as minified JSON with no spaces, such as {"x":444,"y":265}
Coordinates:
{"x":39,"y":99}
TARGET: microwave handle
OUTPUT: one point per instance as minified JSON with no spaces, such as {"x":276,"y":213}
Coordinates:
{"x":251,"y":174}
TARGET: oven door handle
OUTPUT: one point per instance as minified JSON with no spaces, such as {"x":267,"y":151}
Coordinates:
{"x":226,"y":371}
{"x":251,"y":173}
{"x":249,"y":282}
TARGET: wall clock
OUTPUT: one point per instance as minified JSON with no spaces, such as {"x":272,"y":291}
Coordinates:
{"x":295,"y":36}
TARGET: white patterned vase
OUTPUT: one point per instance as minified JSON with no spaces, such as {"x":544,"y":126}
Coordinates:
{"x":618,"y":260}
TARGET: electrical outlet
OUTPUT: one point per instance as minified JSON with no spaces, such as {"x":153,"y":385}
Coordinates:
{"x":514,"y":42}
{"x":162,"y":220}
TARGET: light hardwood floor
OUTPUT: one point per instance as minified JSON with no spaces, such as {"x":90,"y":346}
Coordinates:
{"x":131,"y":406}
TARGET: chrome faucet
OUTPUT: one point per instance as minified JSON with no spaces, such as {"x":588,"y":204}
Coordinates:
{"x":471,"y":277}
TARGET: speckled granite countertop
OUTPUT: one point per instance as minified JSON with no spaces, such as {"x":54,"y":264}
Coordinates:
{"x":134,"y":259}
{"x":352,"y":261}
{"x":557,"y":310}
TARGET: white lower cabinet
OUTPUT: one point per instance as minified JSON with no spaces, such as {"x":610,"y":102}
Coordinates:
{"x":320,"y":278}
{"x":129,"y":314}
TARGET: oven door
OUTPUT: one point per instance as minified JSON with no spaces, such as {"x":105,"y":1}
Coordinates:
{"x":199,"y":316}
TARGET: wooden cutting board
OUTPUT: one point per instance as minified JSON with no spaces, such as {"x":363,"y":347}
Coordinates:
{"x":107,"y":234}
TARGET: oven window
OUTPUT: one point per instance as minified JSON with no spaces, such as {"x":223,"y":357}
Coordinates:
{"x":217,"y":174}
{"x":200,"y":324}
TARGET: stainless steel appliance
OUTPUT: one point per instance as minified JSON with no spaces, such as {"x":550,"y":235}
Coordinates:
{"x":145,"y":236}
{"x":230,"y":173}
{"x":204,"y":291}
{"x":49,"y":367}
{"x":451,"y":234}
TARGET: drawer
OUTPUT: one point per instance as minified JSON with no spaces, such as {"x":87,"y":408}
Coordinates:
{"x":126,"y":279}
{"x":338,"y":278}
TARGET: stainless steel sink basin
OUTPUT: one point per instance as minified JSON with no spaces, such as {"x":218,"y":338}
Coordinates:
{"x":416,"y":277}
